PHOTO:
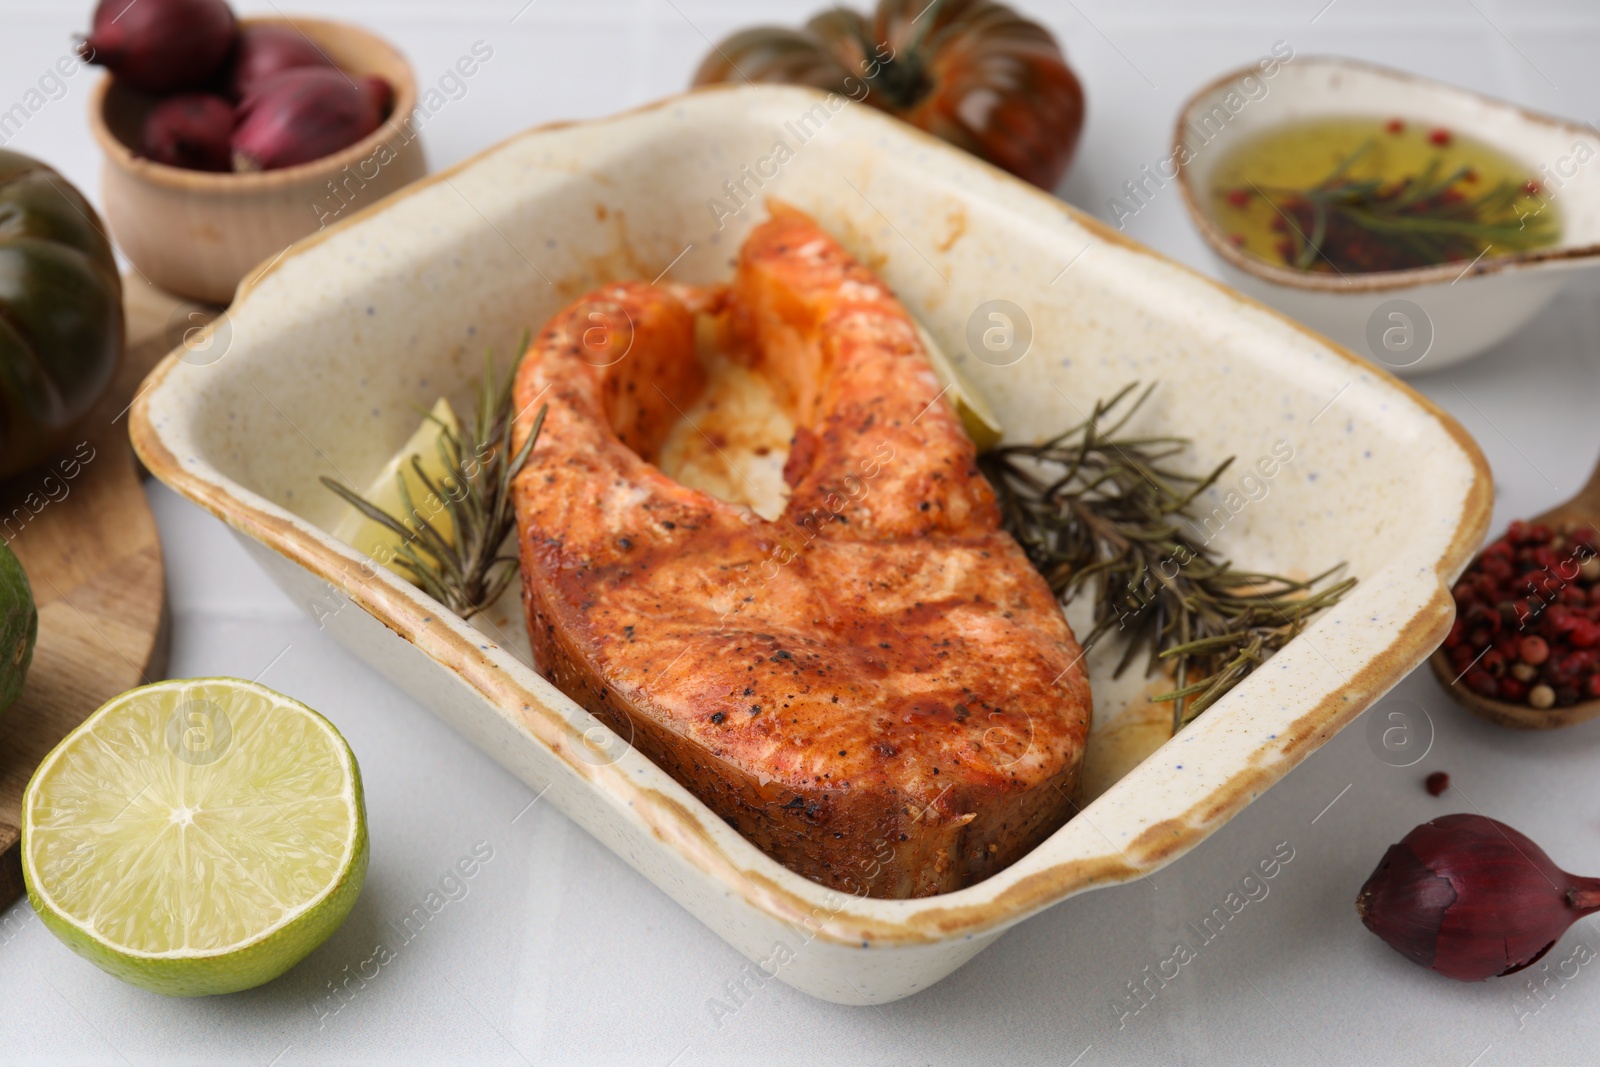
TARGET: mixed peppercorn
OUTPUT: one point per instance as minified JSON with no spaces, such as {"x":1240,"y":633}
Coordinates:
{"x":1527,"y":627}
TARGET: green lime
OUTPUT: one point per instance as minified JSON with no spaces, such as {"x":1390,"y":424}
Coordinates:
{"x":977,"y":417}
{"x":377,"y":540}
{"x":19,"y":627}
{"x":196,"y":836}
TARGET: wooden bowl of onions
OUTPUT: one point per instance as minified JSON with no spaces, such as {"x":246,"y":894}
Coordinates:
{"x":197,"y":233}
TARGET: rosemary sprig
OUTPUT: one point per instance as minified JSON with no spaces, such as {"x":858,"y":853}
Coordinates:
{"x":1090,"y":506}
{"x":465,"y":571}
{"x":1369,"y":224}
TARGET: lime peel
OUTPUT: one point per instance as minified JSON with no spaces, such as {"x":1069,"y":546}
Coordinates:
{"x":373,"y":538}
{"x":977,"y":417}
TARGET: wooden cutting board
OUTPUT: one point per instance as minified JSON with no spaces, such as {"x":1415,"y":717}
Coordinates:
{"x":89,"y":545}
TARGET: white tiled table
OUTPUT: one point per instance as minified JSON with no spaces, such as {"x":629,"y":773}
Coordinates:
{"x":559,"y":953}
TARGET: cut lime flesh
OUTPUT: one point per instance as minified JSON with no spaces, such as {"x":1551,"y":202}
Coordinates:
{"x":196,"y":836}
{"x":377,"y":540}
{"x":977,"y":417}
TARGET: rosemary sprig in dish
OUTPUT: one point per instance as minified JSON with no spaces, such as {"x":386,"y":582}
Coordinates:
{"x":463,"y":570}
{"x":1090,"y":506}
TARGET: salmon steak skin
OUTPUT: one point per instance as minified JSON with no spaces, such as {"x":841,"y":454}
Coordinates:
{"x":877,"y":689}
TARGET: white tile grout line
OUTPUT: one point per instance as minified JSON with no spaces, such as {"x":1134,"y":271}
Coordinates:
{"x":1287,"y":1020}
{"x":486,"y":1021}
{"x":1503,"y":436}
{"x":1513,"y":45}
{"x":1113,"y":45}
{"x":98,"y":1032}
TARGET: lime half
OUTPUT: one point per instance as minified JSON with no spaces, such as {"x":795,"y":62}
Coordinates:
{"x":977,"y":417}
{"x":196,"y":836}
{"x":377,"y":540}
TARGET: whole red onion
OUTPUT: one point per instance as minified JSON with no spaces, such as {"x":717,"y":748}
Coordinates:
{"x":265,"y":50}
{"x":161,"y":46}
{"x":192,"y":130}
{"x":305,"y":114}
{"x":1472,"y":899}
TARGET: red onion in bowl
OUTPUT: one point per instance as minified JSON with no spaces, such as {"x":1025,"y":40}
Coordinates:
{"x":192,"y":130}
{"x":305,"y":114}
{"x":161,"y":46}
{"x":266,"y":50}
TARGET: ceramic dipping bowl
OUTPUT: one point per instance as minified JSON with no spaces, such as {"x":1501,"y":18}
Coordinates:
{"x":1408,"y":321}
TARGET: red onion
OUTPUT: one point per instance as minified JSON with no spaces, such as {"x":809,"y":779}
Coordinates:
{"x":265,"y":50}
{"x":193,"y":130}
{"x":161,"y":46}
{"x":305,"y":114}
{"x":1472,"y":899}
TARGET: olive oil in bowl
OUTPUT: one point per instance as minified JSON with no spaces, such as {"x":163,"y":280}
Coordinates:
{"x":1352,"y":195}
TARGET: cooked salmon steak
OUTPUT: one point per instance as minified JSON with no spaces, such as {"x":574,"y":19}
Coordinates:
{"x":876,"y":688}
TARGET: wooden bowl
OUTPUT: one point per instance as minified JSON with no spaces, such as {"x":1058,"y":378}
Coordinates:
{"x":198,"y":233}
{"x":1580,"y":512}
{"x":1503,"y":712}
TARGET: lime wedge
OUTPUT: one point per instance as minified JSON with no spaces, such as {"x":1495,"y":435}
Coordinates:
{"x":377,"y":540}
{"x":196,"y":836}
{"x":977,"y":417}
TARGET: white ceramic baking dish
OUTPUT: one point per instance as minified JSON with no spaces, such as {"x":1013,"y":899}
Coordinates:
{"x":320,"y":365}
